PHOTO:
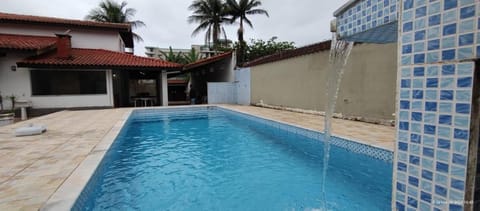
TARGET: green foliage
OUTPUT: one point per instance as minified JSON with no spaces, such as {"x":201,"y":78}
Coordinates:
{"x":192,"y":56}
{"x":112,"y":12}
{"x":260,"y":48}
{"x":173,"y":57}
{"x":210,"y":15}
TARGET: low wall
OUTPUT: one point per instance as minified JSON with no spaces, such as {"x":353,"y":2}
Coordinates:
{"x":367,"y":89}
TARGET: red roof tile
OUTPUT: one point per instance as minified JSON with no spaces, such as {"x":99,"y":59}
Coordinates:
{"x":125,"y":30}
{"x":309,"y":49}
{"x":97,"y":58}
{"x":26,"y":42}
{"x":17,"y":18}
{"x":207,"y":60}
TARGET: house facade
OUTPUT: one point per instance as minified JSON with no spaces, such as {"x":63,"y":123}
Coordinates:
{"x":63,"y":63}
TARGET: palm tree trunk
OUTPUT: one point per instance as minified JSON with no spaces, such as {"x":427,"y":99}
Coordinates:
{"x":241,"y":44}
{"x":216,"y":30}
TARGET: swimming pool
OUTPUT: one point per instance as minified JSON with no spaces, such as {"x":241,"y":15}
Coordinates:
{"x":210,"y":158}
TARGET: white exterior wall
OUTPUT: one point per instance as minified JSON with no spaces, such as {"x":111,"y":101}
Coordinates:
{"x":242,"y":82}
{"x":81,"y":38}
{"x":18,"y":83}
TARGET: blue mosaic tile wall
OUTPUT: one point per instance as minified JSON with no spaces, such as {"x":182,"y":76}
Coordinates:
{"x":365,"y":15}
{"x":438,"y":40}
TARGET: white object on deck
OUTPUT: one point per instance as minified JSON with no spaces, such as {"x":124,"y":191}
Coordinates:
{"x":23,"y":104}
{"x":30,"y":130}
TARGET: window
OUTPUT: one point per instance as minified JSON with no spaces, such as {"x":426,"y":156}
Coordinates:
{"x":48,"y":82}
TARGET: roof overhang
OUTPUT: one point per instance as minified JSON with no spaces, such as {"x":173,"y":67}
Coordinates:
{"x":207,"y":61}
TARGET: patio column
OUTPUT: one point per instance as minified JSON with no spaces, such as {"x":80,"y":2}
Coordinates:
{"x":164,"y":88}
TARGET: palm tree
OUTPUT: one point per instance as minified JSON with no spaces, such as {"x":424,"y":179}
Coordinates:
{"x":192,"y":56}
{"x":210,"y":16}
{"x":238,"y":10}
{"x":113,"y":12}
{"x":172,"y":57}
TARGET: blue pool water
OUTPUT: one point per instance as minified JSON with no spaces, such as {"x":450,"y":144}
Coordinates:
{"x":212,"y":160}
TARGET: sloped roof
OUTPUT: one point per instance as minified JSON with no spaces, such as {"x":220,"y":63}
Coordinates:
{"x":26,"y":42}
{"x":207,"y":60}
{"x":309,"y":49}
{"x":125,"y":30}
{"x":97,"y":58}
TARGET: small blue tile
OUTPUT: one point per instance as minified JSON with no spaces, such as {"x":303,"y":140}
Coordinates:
{"x":432,"y":71}
{"x":467,"y":12}
{"x":466,"y":26}
{"x":402,"y":166}
{"x":449,"y":4}
{"x":416,"y":127}
{"x":429,"y":129}
{"x":449,"y":29}
{"x":448,"y":54}
{"x":447,"y":83}
{"x":432,"y":82}
{"x":407,"y":27}
{"x":407,"y":49}
{"x":464,"y":82}
{"x":433,"y":57}
{"x":466,"y":2}
{"x":461,"y":121}
{"x":440,"y":190}
{"x":443,"y":156}
{"x":400,"y":206}
{"x":416,"y":116}
{"x":415,"y":138}
{"x":401,"y":187}
{"x":429,"y":152}
{"x":427,"y":163}
{"x":448,"y":69}
{"x":459,"y":159}
{"x":445,"y":119}
{"x":444,"y":132}
{"x":434,"y":20}
{"x":433,"y":44}
{"x":405,"y":94}
{"x":404,"y":104}
{"x":406,"y":60}
{"x":434,"y":7}
{"x":402,"y":146}
{"x":421,"y":11}
{"x":446,"y":94}
{"x":455,"y":207}
{"x":406,"y":83}
{"x":413,"y":181}
{"x":414,"y":160}
{"x":445,"y":107}
{"x":425,"y":197}
{"x":465,"y":53}
{"x":449,"y":42}
{"x":419,"y":71}
{"x":457,"y":184}
{"x":420,"y":58}
{"x":450,"y":16}
{"x":442,"y":167}
{"x":458,"y":171}
{"x":428,"y":141}
{"x":403,"y":125}
{"x":466,"y":39}
{"x":443,"y":144}
{"x":417,"y":94}
{"x":463,"y":96}
{"x":418,"y":83}
{"x":460,"y":134}
{"x":462,"y":108}
{"x":432,"y":33}
{"x":419,"y":47}
{"x":412,"y":202}
{"x":430,"y":106}
{"x":406,"y":72}
{"x":431,"y":94}
{"x":420,"y":35}
{"x":426,"y":186}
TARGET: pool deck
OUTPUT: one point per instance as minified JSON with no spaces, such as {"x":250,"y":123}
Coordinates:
{"x":35,"y":169}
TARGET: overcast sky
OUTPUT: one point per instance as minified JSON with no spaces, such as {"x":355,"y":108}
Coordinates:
{"x":301,"y":21}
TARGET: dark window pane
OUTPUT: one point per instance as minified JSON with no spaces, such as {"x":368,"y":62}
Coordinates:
{"x":47,"y":82}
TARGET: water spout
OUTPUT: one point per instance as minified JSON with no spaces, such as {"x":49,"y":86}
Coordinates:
{"x":339,"y":53}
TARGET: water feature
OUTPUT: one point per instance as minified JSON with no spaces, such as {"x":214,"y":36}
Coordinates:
{"x":339,"y":53}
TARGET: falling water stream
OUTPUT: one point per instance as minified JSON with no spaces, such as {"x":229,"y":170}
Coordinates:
{"x":339,"y":53}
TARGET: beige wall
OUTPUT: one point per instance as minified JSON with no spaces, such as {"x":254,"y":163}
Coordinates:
{"x":367,"y":89}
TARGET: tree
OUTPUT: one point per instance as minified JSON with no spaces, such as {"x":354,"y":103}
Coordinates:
{"x":112,"y":12}
{"x":173,"y":57}
{"x":238,"y":10}
{"x":210,"y":15}
{"x":259,"y":48}
{"x":191,"y":56}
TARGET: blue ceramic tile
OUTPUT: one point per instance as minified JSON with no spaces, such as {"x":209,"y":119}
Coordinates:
{"x":427,"y":164}
{"x":440,"y":190}
{"x":445,"y":119}
{"x":467,"y":12}
{"x":420,"y":23}
{"x":406,"y":72}
{"x":401,"y":187}
{"x":461,"y":121}
{"x":400,"y":206}
{"x":419,"y":47}
{"x":402,"y":166}
{"x":404,"y":115}
{"x":420,"y":35}
{"x":432,"y":71}
{"x":427,"y":197}
{"x":448,"y":69}
{"x":420,"y":12}
{"x":460,"y":134}
{"x":434,"y":8}
{"x":404,"y":104}
{"x":429,"y":129}
{"x":406,"y":60}
{"x":441,"y":178}
{"x":412,"y":202}
{"x":460,"y":147}
{"x":431,"y":106}
{"x":415,"y":138}
{"x":458,"y":171}
{"x":434,"y":44}
{"x":416,"y":116}
{"x":447,"y":83}
{"x":463,"y":96}
{"x":426,"y":186}
{"x":449,"y":29}
{"x":425,"y":206}
{"x":445,"y":107}
{"x":418,"y":83}
{"x":413,"y":181}
{"x":443,"y":156}
{"x":450,"y":16}
{"x":417,"y":105}
{"x":449,"y":42}
{"x":429,"y":141}
{"x":464,"y":82}
{"x":462,"y":108}
{"x":465,"y":53}
{"x":446,"y":94}
{"x":433,"y":57}
{"x":407,"y":49}
{"x":455,"y":207}
{"x":420,"y":58}
{"x":432,"y":33}
{"x":407,"y":26}
{"x":429,"y":152}
{"x":442,"y":167}
{"x":431,"y":94}
{"x":466,"y":39}
{"x":417,"y":94}
{"x":432,"y":82}
{"x":459,"y":159}
{"x":419,"y":71}
{"x":449,"y":4}
{"x":434,"y":20}
{"x":415,"y":160}
{"x":403,"y":125}
{"x":415,"y":127}
{"x":466,"y":2}
{"x":456,"y":195}
{"x":415,"y":149}
{"x":402,"y":146}
{"x":466,"y":26}
{"x":405,"y":83}
{"x":457,"y":184}
{"x":448,"y":55}
{"x":444,"y":132}
{"x":405,"y":94}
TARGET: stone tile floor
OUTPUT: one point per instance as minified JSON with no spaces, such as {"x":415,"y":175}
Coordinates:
{"x":33,"y":168}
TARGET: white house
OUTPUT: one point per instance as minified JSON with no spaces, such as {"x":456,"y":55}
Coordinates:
{"x":63,"y":63}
